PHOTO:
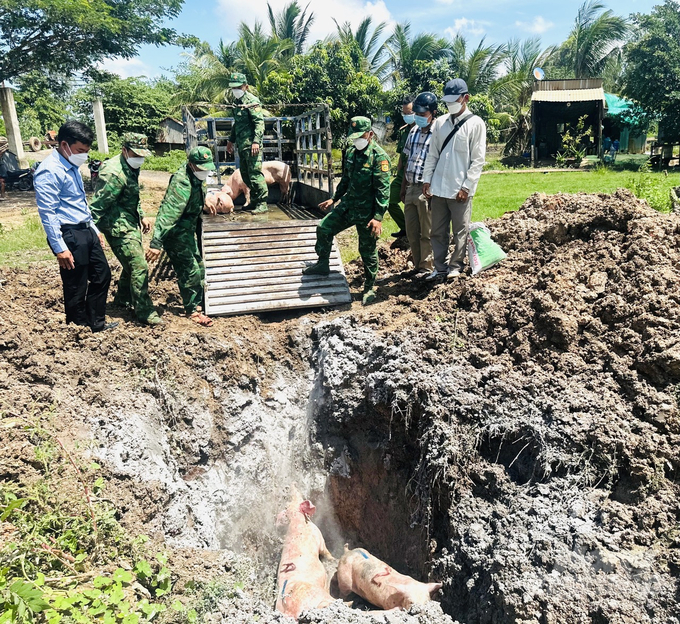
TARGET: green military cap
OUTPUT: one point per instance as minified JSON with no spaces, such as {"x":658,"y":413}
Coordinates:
{"x":358,"y":126}
{"x":138,"y":143}
{"x":202,"y":157}
{"x":237,"y":79}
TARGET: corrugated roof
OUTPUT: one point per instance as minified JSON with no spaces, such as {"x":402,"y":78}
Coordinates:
{"x":569,"y":95}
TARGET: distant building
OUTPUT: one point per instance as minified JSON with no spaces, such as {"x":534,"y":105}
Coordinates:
{"x":170,"y":136}
{"x":558,"y":104}
{"x":618,"y":123}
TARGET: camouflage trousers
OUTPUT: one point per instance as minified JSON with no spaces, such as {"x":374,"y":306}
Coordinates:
{"x":394,"y":207}
{"x":182,"y":249}
{"x":339,"y":220}
{"x":253,"y":178}
{"x":133,"y":283}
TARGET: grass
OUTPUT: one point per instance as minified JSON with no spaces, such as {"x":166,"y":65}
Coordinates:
{"x":500,"y":193}
{"x":29,"y":236}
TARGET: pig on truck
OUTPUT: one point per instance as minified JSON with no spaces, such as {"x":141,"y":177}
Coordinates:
{"x":275,"y":172}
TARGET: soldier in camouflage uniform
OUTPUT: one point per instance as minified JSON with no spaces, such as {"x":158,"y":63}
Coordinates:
{"x":396,"y":211}
{"x":365,"y":191}
{"x":247,"y":133}
{"x":117,"y":212}
{"x":176,"y":228}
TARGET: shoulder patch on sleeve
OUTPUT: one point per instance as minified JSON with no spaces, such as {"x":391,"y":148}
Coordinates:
{"x":384,"y":165}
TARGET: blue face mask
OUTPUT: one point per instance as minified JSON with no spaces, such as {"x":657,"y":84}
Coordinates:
{"x":421,"y":121}
{"x":409,"y":119}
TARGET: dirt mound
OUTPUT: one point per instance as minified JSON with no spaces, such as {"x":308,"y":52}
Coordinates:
{"x":535,"y":408}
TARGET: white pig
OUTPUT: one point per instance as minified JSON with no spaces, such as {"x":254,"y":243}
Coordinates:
{"x":275,"y":172}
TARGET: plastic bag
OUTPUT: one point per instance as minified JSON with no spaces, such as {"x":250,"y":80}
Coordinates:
{"x":482,"y":251}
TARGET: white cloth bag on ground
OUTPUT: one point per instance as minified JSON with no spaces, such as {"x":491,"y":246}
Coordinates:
{"x":482,"y":251}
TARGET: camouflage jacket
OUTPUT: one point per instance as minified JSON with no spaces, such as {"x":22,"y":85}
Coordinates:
{"x":401,"y":142}
{"x":115,"y":205}
{"x":248,"y":125}
{"x":365,"y":184}
{"x":181,"y":207}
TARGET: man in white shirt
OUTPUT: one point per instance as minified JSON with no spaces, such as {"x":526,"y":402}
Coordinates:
{"x":452,"y":171}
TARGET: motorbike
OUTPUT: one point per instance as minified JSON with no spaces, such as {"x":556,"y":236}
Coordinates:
{"x":22,"y":179}
{"x":94,"y":166}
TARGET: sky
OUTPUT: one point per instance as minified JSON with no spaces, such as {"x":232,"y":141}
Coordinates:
{"x":497,"y":20}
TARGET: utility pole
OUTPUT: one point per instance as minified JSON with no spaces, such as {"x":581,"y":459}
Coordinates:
{"x":9,"y":115}
{"x":100,"y":125}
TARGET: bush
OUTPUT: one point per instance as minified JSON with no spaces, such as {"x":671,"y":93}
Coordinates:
{"x":169,"y":162}
{"x":653,"y":188}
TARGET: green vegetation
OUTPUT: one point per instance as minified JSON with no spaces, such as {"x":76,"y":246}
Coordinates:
{"x":502,"y":192}
{"x":169,"y":162}
{"x":29,"y":236}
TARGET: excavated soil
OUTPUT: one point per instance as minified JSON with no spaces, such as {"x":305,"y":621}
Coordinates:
{"x":513,"y":434}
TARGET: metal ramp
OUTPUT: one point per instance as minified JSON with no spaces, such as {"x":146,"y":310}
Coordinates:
{"x":256,"y":267}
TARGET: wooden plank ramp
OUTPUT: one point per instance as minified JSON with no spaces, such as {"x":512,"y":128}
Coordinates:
{"x":253,"y":267}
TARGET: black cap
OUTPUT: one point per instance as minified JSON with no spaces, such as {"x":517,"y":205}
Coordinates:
{"x":454,"y":89}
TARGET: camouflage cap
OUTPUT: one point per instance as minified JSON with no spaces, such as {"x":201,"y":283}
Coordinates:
{"x":358,"y":126}
{"x":202,"y":157}
{"x":237,"y":79}
{"x":138,"y":143}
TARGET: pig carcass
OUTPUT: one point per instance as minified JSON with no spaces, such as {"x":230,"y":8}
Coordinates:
{"x":373,"y":580}
{"x":302,"y":580}
{"x":275,"y":172}
{"x":218,"y":202}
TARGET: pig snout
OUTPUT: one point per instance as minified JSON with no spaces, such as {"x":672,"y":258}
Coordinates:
{"x":307,"y":508}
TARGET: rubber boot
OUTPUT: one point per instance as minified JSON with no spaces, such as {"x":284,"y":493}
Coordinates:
{"x":320,"y":268}
{"x":261,"y":208}
{"x":369,"y":297}
{"x":152,"y":319}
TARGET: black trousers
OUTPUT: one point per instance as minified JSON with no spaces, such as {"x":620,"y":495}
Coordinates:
{"x":87,"y":285}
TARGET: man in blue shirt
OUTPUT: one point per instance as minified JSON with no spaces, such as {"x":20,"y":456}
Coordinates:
{"x":71,"y":233}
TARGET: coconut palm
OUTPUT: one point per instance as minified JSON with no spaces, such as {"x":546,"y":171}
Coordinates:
{"x":259,"y":54}
{"x":478,"y":67}
{"x":595,"y":38}
{"x":369,"y":43}
{"x":291,"y":23}
{"x":403,"y":49}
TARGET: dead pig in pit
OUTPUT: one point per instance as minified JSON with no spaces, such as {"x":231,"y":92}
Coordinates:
{"x":365,"y":575}
{"x":302,"y":580}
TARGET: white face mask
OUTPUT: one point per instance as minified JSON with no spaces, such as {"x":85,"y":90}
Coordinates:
{"x":201,"y":175}
{"x":454,"y":107}
{"x":361,"y":143}
{"x":77,"y":159}
{"x":237,"y":93}
{"x":135,"y":161}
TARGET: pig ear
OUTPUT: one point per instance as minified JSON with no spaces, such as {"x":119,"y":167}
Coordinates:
{"x":307,"y":508}
{"x":433,"y":587}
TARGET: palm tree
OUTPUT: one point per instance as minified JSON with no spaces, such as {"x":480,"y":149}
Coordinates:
{"x":291,"y":23}
{"x":594,"y":39}
{"x":404,"y":50}
{"x":259,"y":54}
{"x":372,"y":50}
{"x":479,"y":67}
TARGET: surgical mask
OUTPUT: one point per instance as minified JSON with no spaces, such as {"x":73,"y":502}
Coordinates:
{"x":409,"y":119}
{"x":135,"y":161}
{"x":77,"y":159}
{"x":237,"y":93}
{"x":361,"y":143}
{"x":454,"y":107}
{"x":421,"y":121}
{"x":201,"y":175}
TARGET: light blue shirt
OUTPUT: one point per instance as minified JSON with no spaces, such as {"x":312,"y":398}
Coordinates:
{"x":60,"y":195}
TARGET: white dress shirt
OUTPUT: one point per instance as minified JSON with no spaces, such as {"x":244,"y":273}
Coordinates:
{"x":460,"y":165}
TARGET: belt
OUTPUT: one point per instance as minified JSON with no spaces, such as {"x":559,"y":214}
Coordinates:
{"x":85,"y":225}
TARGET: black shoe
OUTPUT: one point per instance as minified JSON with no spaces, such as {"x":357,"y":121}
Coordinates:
{"x":107,"y":326}
{"x":399,"y":234}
